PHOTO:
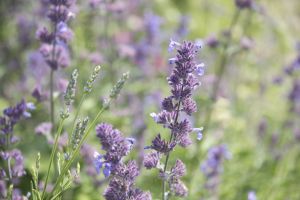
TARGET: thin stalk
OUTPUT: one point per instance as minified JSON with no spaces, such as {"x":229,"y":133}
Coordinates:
{"x":76,"y":151}
{"x":52,"y":74}
{"x":164,"y":197}
{"x":76,"y":116}
{"x":53,"y":154}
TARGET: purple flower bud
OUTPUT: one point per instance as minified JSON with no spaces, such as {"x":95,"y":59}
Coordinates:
{"x":179,"y":189}
{"x":161,"y":145}
{"x":189,"y":106}
{"x":167,"y":104}
{"x":151,"y":160}
{"x":44,"y":36}
{"x":178,"y":170}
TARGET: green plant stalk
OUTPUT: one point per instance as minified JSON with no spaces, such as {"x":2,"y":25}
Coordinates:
{"x":53,"y":154}
{"x":76,"y":151}
{"x":76,"y":117}
{"x":164,"y":197}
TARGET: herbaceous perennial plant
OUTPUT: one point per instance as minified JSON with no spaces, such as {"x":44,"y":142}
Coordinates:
{"x":175,"y":109}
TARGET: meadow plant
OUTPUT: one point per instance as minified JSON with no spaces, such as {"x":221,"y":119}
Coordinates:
{"x":54,"y":44}
{"x":13,"y":169}
{"x":78,"y":134}
{"x":182,"y":81}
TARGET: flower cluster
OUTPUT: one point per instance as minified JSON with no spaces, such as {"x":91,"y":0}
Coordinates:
{"x":13,"y":159}
{"x":54,"y":44}
{"x":175,"y":108}
{"x":11,"y":116}
{"x":212,"y":166}
{"x":121,"y":185}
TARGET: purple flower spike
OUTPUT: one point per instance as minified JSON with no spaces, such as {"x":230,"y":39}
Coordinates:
{"x":121,"y":184}
{"x":182,"y":81}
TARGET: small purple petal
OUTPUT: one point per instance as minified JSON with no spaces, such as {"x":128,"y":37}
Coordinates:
{"x":154,"y":116}
{"x":172,"y":61}
{"x":200,"y":69}
{"x":107,"y":170}
{"x":199,"y":133}
{"x":98,"y":161}
{"x":173,"y":44}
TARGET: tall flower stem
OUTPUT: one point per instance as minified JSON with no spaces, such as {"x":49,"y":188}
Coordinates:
{"x":76,"y":115}
{"x":164,"y":197}
{"x":59,"y":130}
{"x":52,"y":109}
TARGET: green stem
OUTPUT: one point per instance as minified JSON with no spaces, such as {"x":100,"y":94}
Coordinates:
{"x":53,"y":154}
{"x":76,"y":116}
{"x":52,"y":73}
{"x":76,"y":151}
{"x":164,"y":197}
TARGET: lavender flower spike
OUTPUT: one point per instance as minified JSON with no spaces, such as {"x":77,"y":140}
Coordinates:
{"x":182,"y":81}
{"x":121,"y":185}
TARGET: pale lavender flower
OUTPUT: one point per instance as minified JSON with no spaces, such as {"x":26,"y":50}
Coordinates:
{"x":43,"y":128}
{"x":14,"y":159}
{"x":252,"y":195}
{"x":212,"y":167}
